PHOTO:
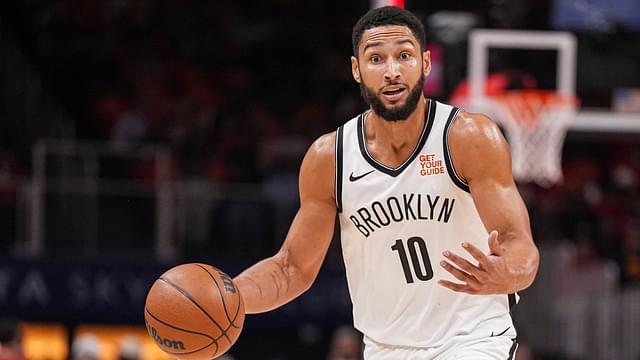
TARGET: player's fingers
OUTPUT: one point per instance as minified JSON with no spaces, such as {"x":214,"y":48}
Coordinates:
{"x":456,"y":287}
{"x":477,"y":254}
{"x":462,"y":263}
{"x":459,"y":274}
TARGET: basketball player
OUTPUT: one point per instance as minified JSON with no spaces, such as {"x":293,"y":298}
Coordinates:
{"x":435,"y":236}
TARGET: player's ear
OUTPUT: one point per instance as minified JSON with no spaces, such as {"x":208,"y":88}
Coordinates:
{"x":426,"y":62}
{"x":355,"y":69}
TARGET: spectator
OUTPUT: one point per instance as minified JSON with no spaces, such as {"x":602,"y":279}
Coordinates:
{"x":346,"y":344}
{"x":85,"y":347}
{"x":129,"y":348}
{"x":10,"y":341}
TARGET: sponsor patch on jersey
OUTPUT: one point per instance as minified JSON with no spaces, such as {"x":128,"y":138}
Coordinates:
{"x":429,"y":165}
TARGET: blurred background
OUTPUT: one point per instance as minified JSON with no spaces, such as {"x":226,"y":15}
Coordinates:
{"x":137,"y":135}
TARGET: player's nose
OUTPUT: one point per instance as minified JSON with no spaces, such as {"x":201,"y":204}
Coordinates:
{"x":392,"y":71}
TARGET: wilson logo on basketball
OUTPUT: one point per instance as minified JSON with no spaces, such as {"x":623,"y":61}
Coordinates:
{"x":228,"y":283}
{"x":175,"y":344}
{"x":429,"y":165}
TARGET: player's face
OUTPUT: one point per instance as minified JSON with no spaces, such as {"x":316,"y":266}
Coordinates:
{"x":390,"y":70}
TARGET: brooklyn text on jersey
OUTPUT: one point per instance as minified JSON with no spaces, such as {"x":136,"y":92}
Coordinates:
{"x":423,"y":207}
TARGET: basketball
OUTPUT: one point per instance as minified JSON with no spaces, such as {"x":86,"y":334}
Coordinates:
{"x":194,"y":311}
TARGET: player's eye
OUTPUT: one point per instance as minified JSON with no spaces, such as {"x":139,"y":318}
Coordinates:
{"x":405,"y":55}
{"x":375,"y":59}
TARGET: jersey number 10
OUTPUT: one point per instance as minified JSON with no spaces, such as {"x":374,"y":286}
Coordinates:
{"x":424,"y":271}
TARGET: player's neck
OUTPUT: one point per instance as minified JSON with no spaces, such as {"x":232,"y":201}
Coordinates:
{"x":396,"y":135}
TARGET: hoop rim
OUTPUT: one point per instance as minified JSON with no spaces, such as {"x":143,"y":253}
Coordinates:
{"x":526,"y":107}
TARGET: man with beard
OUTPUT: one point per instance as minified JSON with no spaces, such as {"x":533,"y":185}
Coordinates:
{"x":435,"y":236}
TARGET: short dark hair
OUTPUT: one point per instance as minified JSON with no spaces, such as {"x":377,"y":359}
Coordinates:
{"x":387,"y":15}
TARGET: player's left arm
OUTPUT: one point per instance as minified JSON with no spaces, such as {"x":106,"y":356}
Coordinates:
{"x":481,"y":156}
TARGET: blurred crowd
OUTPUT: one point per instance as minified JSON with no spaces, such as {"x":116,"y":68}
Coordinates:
{"x":595,"y":207}
{"x":18,"y":343}
{"x":238,"y":90}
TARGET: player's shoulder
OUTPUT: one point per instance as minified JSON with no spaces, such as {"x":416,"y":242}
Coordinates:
{"x":318,"y":169}
{"x":320,"y":157}
{"x":472,"y":124}
{"x":323,"y":147}
{"x":474,"y":130}
{"x":475,"y":141}
{"x":478,"y":149}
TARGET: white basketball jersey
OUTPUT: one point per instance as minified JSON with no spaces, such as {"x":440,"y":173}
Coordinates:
{"x":395,"y":224}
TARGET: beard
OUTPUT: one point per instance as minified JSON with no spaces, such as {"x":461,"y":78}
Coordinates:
{"x":395,"y":113}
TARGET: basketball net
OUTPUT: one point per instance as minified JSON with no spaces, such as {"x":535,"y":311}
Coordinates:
{"x":536,"y":122}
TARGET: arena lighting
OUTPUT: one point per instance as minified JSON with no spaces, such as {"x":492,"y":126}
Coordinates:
{"x":380,"y":3}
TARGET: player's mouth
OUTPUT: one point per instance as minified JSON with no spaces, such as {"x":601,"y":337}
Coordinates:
{"x":393,"y":93}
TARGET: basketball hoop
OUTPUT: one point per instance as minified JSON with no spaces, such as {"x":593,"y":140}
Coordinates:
{"x":536,"y":122}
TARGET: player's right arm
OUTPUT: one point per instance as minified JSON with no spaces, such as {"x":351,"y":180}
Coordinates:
{"x":281,"y":278}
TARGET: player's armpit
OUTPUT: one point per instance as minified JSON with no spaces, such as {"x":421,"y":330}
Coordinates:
{"x":279,"y":279}
{"x":481,"y":156}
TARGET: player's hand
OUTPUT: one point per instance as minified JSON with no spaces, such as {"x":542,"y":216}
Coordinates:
{"x":490,"y":276}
